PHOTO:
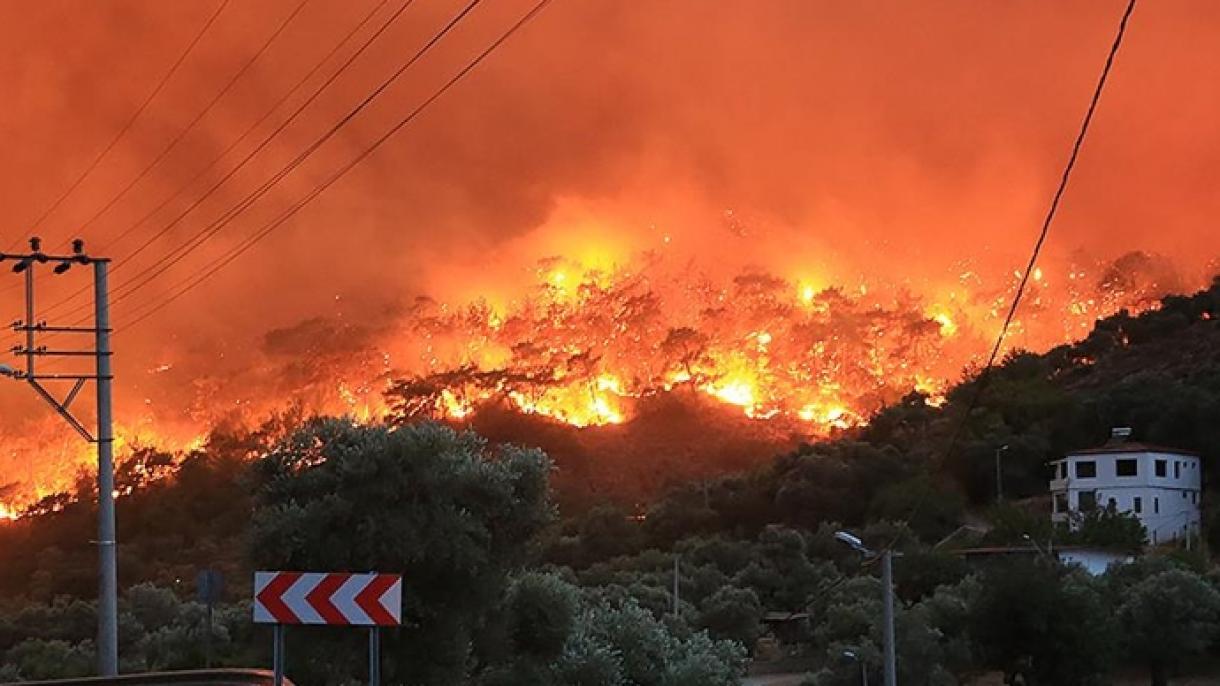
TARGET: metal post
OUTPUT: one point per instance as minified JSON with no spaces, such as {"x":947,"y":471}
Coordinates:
{"x":207,"y":639}
{"x":277,"y":653}
{"x":29,"y":322}
{"x":108,"y":618}
{"x":676,"y":597}
{"x":999,"y":475}
{"x":375,"y":656}
{"x":887,"y":582}
{"x":863,"y":673}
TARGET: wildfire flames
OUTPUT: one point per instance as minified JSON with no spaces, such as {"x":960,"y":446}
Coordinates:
{"x":584,"y":345}
{"x":778,"y":216}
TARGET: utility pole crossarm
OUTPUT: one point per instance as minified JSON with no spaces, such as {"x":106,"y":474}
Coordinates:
{"x":25,"y":265}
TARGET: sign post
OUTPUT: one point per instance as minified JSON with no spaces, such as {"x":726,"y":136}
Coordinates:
{"x":208,"y":585}
{"x":375,"y":656}
{"x":277,"y":653}
{"x":336,"y":599}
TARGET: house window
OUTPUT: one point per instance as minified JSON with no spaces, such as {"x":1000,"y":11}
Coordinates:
{"x":1160,"y":468}
{"x":1063,"y":470}
{"x":1086,"y":469}
{"x":1156,"y":506}
{"x":1112,"y":505}
{"x":1194,"y":497}
{"x":1137,"y":504}
{"x":1177,"y":470}
{"x":1127,"y":467}
{"x":1086,"y":501}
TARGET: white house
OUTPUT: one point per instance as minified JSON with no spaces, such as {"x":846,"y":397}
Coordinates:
{"x":1160,"y":486}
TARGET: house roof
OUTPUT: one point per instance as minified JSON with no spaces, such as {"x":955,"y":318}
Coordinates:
{"x":1132,"y":448}
{"x":999,"y":550}
{"x":1030,"y":550}
{"x":773,"y":616}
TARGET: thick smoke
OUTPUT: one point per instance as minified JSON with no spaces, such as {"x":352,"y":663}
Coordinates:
{"x":910,"y":147}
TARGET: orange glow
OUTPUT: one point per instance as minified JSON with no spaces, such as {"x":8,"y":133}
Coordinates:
{"x":578,"y":228}
{"x":584,"y":345}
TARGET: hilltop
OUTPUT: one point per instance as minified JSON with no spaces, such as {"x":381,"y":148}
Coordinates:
{"x":752,"y":538}
{"x":1158,"y":372}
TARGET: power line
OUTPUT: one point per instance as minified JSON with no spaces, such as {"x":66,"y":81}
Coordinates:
{"x":224,"y":153}
{"x":198,"y":117}
{"x":266,"y":115}
{"x":984,"y":376}
{"x":154,"y":270}
{"x":130,"y":122}
{"x":245,"y":160}
{"x":241,"y":248}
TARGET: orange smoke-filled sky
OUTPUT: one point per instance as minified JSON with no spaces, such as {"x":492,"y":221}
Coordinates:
{"x":837,"y":140}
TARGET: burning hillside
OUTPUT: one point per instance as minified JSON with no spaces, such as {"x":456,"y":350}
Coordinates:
{"x":771,"y":218}
{"x":586,"y":345}
{"x":653,"y":347}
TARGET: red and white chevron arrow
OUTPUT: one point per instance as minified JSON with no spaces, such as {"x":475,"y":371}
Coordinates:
{"x":327,"y":598}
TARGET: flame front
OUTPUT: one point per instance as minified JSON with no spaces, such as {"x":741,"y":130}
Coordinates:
{"x":589,"y":342}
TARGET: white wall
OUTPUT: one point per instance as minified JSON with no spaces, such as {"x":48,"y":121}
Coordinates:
{"x":1169,"y":504}
{"x":1095,"y":562}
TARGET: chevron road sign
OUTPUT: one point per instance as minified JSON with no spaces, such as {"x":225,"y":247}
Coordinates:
{"x":337,"y":598}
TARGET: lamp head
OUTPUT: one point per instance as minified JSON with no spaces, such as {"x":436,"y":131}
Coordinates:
{"x":852,"y":541}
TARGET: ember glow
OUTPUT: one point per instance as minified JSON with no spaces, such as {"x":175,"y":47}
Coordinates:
{"x":796,"y":211}
{"x":584,"y":344}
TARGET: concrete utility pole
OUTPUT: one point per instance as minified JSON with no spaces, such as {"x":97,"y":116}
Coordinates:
{"x":107,"y":605}
{"x":890,"y":665}
{"x":887,"y":583}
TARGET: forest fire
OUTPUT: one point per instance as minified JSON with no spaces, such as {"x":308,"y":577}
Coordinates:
{"x":585,"y":345}
{"x":674,"y":224}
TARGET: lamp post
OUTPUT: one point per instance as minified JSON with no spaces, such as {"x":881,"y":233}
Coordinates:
{"x":1034,"y":543}
{"x":999,"y":474}
{"x":890,"y":663}
{"x":855,"y":657}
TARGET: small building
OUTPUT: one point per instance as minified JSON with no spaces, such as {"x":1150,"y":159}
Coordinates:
{"x":1095,"y":561}
{"x":1160,"y":486}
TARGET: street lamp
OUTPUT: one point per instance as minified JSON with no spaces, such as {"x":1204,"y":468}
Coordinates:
{"x":999,"y":474}
{"x":855,"y":657}
{"x":1034,"y":543}
{"x":887,"y":583}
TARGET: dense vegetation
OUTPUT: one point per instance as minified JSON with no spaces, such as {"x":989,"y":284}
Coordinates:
{"x":505,"y":589}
